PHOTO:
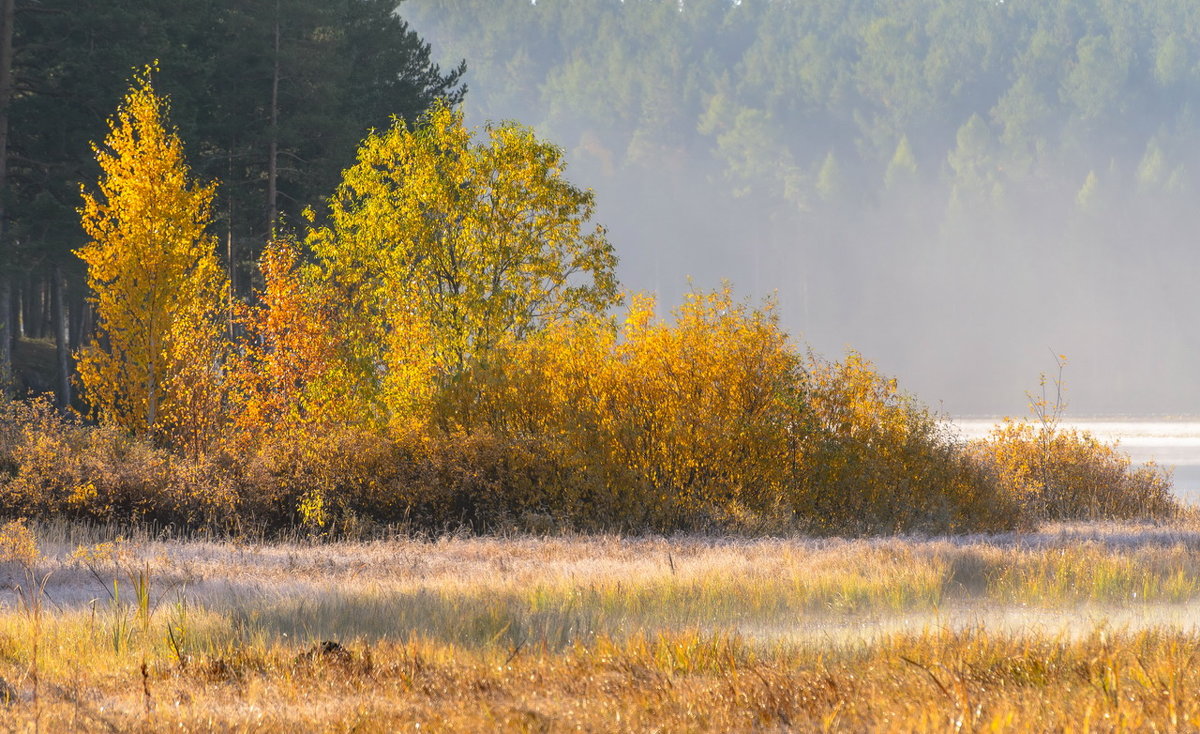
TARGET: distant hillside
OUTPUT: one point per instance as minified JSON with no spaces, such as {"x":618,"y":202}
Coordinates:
{"x":957,"y":188}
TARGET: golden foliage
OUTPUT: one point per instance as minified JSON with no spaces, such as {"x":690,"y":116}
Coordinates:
{"x":287,"y":350}
{"x":713,"y":418}
{"x":1057,"y":473}
{"x":156,"y":285}
{"x":879,"y":461}
{"x":439,"y":248}
{"x":662,"y":423}
{"x":18,"y":544}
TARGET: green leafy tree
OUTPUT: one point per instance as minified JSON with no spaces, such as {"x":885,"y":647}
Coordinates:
{"x":1095,"y":83}
{"x":973,"y":162}
{"x":830,"y":179}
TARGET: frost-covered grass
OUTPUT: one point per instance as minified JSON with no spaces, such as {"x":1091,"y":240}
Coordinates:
{"x":1051,"y":629}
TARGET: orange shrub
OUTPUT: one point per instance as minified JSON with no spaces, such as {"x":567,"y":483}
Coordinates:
{"x":286,"y":349}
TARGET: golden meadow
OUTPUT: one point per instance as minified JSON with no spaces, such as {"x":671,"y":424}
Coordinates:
{"x":1075,"y":627}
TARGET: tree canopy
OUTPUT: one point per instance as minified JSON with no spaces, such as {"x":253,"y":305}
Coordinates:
{"x":438,"y":239}
{"x":157,"y":286}
{"x":273,"y":98}
{"x":1060,"y":81}
{"x":308,"y":77}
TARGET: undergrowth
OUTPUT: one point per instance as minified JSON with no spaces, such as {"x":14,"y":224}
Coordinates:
{"x":891,"y":468}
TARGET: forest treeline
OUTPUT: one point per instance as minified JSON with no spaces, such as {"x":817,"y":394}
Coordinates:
{"x":822,"y":104}
{"x":872,"y":161}
{"x":950,"y":186}
{"x":438,"y":347}
{"x":273,"y":97}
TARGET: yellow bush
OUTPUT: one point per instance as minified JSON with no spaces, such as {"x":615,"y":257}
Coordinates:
{"x":18,"y":544}
{"x":878,"y":461}
{"x":712,"y":418}
{"x":711,"y":407}
{"x":664,"y":424}
{"x":1054,"y":473}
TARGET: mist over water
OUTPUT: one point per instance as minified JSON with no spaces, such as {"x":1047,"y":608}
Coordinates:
{"x":1016,"y":229}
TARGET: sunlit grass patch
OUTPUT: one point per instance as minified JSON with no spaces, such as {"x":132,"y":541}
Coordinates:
{"x":933,"y":680}
{"x":1069,"y":626}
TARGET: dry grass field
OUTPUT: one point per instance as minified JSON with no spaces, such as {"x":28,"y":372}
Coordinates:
{"x":1072,"y":628}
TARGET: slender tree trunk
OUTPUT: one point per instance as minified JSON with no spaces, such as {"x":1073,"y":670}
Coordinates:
{"x":7,"y":16}
{"x":14,"y":306}
{"x":273,"y":144}
{"x":229,"y":283}
{"x":229,"y":249}
{"x":29,"y":317}
{"x":6,"y":343}
{"x":30,"y":311}
{"x":62,"y":346}
{"x":37,"y":306}
{"x":87,"y":329}
{"x":33,"y":306}
{"x":152,"y":385}
{"x":75,"y":326}
{"x":46,"y":304}
{"x":21,"y":304}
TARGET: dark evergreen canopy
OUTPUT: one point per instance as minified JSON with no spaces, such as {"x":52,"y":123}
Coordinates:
{"x":270,"y":96}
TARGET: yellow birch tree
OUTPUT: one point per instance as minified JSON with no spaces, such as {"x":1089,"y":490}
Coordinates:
{"x":441,"y":246}
{"x":155,"y":282}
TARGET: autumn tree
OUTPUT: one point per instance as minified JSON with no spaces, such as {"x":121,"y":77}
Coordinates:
{"x":437,"y":239}
{"x":156,"y":285}
{"x":284,"y":368}
{"x":265,"y":92}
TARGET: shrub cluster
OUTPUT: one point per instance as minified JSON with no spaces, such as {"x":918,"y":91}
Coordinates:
{"x":437,"y":352}
{"x":714,"y":420}
{"x":707,"y":420}
{"x":1054,"y":473}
